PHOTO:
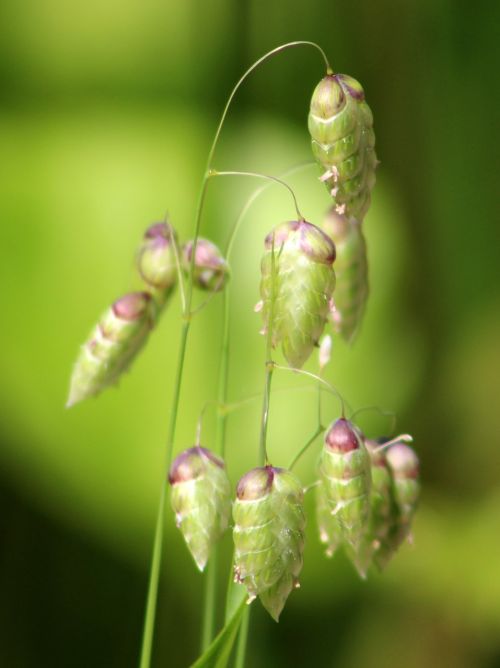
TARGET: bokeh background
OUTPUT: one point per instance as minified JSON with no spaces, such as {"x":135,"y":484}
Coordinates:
{"x":108,"y":110}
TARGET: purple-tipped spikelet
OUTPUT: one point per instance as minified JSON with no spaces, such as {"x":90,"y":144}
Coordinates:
{"x":341,"y":127}
{"x":200,"y":499}
{"x":112,"y":345}
{"x":382,"y":509}
{"x":351,"y":270}
{"x":404,"y":467}
{"x":345,"y":473}
{"x":268,"y":535}
{"x":299,"y":292}
{"x":211,"y":270}
{"x":156,"y":261}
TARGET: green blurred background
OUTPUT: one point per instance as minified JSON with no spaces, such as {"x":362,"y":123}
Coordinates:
{"x":108,"y":109}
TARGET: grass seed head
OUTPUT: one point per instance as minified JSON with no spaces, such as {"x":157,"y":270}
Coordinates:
{"x":112,"y":345}
{"x":345,"y":473}
{"x":298,"y":291}
{"x":200,"y":500}
{"x":268,"y":534}
{"x":341,"y":128}
{"x":156,"y":261}
{"x":351,"y":270}
{"x":403,"y":465}
{"x":211,"y":270}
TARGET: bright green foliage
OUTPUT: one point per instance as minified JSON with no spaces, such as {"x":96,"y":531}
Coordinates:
{"x":156,"y":260}
{"x":330,"y":531}
{"x":299,"y":288}
{"x":404,"y":467}
{"x":345,"y":473}
{"x":112,"y":345}
{"x":211,"y":270}
{"x":351,"y":270}
{"x":200,"y":499}
{"x":341,"y":127}
{"x":268,"y":535}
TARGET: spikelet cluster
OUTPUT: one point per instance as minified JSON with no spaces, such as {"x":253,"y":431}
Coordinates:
{"x":366,"y":497}
{"x":268,"y":534}
{"x":351,"y":269}
{"x":297,"y":282}
{"x":200,"y":499}
{"x":123,"y":329}
{"x":341,"y":127}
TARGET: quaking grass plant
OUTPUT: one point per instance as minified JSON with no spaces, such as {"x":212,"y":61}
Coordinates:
{"x":367,"y":491}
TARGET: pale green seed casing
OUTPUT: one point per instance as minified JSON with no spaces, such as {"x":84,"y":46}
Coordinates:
{"x":268,"y":535}
{"x":112,"y":345}
{"x":211,"y":270}
{"x":156,"y":261}
{"x":201,"y":500}
{"x":299,"y":292}
{"x":345,"y":473}
{"x":351,"y":270}
{"x":404,"y":467}
{"x":341,"y":126}
{"x":329,"y":528}
{"x":382,"y":509}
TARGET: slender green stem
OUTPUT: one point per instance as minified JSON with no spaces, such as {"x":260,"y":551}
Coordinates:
{"x":242,"y":640}
{"x":258,"y":175}
{"x":258,"y":62}
{"x":320,"y":380}
{"x":220,"y":435}
{"x":208,"y":625}
{"x":154,"y":576}
{"x":148,"y":632}
{"x":318,"y":431}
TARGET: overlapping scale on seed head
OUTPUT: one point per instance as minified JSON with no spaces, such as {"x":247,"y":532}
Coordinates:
{"x":341,"y":127}
{"x":211,"y":270}
{"x":268,"y":535}
{"x":351,"y":270}
{"x":117,"y":338}
{"x":200,"y":499}
{"x":382,"y":509}
{"x":346,"y":477}
{"x":297,"y":281}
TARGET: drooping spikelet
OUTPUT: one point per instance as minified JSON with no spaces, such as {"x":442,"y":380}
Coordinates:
{"x":156,"y":261}
{"x":211,"y":270}
{"x":341,"y":127}
{"x":382,"y":509}
{"x":404,"y":467}
{"x":200,"y":499}
{"x":345,"y":473}
{"x":112,"y":345}
{"x":351,"y":270}
{"x":268,"y":535}
{"x":299,"y":289}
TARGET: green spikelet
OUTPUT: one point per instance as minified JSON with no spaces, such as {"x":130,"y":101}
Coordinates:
{"x":345,"y":473}
{"x":268,"y":535}
{"x":156,"y":261}
{"x":112,"y":345}
{"x":341,"y":127}
{"x":351,"y":270}
{"x":200,"y":499}
{"x":382,"y":509}
{"x":211,"y":271}
{"x":404,"y":467}
{"x":330,"y":531}
{"x":299,"y":292}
